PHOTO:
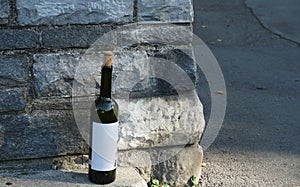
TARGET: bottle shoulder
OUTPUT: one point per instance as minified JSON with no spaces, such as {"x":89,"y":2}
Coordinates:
{"x":105,"y":110}
{"x":105,"y":104}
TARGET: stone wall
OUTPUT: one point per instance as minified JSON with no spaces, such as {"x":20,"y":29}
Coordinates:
{"x":41,"y":44}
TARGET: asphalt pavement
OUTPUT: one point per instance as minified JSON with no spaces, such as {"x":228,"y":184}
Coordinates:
{"x":256,"y":43}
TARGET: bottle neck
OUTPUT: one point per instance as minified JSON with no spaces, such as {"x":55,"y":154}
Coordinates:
{"x":106,"y":76}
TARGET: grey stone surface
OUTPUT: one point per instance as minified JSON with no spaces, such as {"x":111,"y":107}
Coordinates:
{"x":13,"y":136}
{"x":13,"y":70}
{"x":4,"y":11}
{"x":161,"y":121}
{"x":177,"y":170}
{"x":72,"y":36}
{"x":34,"y":12}
{"x":12,"y":99}
{"x":139,"y":159}
{"x":60,"y":132}
{"x":180,"y":11}
{"x":147,"y":34}
{"x":176,"y":70}
{"x":126,"y":177}
{"x":18,"y":39}
{"x":152,"y":122}
{"x":281,"y":17}
{"x":54,"y":73}
{"x":52,"y":103}
{"x":136,"y":73}
{"x":44,"y":134}
{"x":171,"y":165}
{"x":8,"y":167}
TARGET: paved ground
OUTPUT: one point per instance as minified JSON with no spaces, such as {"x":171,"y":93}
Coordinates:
{"x":257,"y":46}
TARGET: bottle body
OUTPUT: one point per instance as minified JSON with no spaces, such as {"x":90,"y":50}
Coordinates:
{"x":104,"y":134}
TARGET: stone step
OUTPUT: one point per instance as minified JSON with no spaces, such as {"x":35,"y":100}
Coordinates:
{"x":126,"y":177}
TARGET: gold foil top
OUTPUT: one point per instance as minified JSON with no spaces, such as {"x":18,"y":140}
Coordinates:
{"x":108,"y":57}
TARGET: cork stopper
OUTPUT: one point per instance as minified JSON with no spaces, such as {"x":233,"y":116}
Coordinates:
{"x":108,"y":57}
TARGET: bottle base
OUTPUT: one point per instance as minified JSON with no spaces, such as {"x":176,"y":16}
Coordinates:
{"x":102,"y":177}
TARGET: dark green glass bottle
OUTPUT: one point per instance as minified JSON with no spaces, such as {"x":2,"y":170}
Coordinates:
{"x":104,"y":133}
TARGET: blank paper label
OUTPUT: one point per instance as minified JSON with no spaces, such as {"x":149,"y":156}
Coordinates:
{"x":104,"y":146}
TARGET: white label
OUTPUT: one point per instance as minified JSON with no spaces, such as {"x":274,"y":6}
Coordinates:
{"x":104,"y":146}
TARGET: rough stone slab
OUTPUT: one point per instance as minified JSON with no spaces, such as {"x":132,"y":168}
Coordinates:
{"x":177,"y":170}
{"x":13,"y":70}
{"x":151,"y":122}
{"x":43,"y":134}
{"x":176,"y":70}
{"x":54,"y":73}
{"x":4,"y":11}
{"x":161,"y":121}
{"x":172,"y":165}
{"x":126,"y":177}
{"x":134,"y":73}
{"x":139,"y":159}
{"x":18,"y":39}
{"x":34,"y":12}
{"x":137,"y":34}
{"x":170,"y":11}
{"x":72,"y":36}
{"x":12,"y":99}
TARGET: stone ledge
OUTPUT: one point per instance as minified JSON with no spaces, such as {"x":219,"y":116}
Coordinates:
{"x":126,"y":177}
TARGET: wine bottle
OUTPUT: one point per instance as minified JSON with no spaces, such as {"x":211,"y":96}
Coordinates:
{"x":104,"y":130}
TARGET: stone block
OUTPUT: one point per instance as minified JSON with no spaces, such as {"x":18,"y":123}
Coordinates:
{"x":130,"y":74}
{"x":72,"y":36}
{"x":4,"y":11}
{"x":177,"y":170}
{"x":170,"y":11}
{"x":54,"y":73}
{"x":137,"y":75}
{"x":151,"y":122}
{"x":160,"y":121}
{"x":12,"y":99}
{"x":171,"y":165}
{"x":54,"y":12}
{"x":44,"y":134}
{"x":147,"y":34}
{"x":137,"y":158}
{"x":18,"y":39}
{"x":133,"y":75}
{"x":13,"y":70}
{"x":175,"y":69}
{"x":13,"y":136}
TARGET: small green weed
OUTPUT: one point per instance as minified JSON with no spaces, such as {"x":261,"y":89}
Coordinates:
{"x":155,"y":183}
{"x":191,"y":183}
